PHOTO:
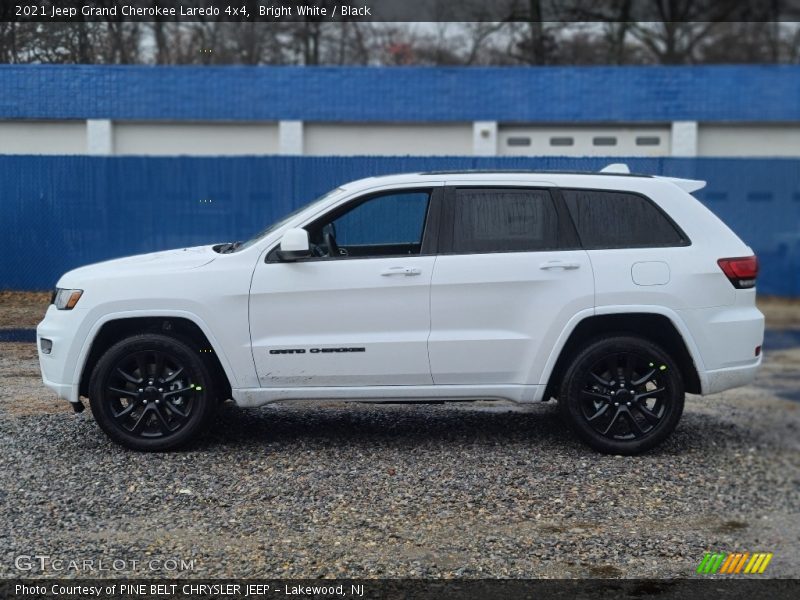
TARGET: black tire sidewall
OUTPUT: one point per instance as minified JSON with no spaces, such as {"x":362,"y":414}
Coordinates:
{"x":575,"y":377}
{"x":197,"y":371}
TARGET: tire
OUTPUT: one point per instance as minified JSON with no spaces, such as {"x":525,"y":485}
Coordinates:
{"x":597,"y":401}
{"x":177,"y":397}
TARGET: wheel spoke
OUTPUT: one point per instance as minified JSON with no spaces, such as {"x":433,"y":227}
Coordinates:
{"x":142,"y":366}
{"x":159,"y":356}
{"x":644,"y":378}
{"x":121,"y":392}
{"x":141,"y":421}
{"x":600,"y":412}
{"x":180,"y":391}
{"x":126,"y":411}
{"x":173,"y":375}
{"x":651,"y":417}
{"x":593,"y":394}
{"x":600,"y":380}
{"x":628,"y":369}
{"x":128,"y":377}
{"x":612,"y":423}
{"x":162,"y":421}
{"x":634,"y":423}
{"x":649,"y":394}
{"x":174,"y":408}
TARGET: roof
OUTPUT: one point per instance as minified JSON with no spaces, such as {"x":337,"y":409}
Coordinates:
{"x":533,"y":172}
{"x":403,"y":94}
{"x":620,"y":180}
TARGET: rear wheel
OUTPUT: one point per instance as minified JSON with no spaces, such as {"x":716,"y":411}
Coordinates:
{"x":622,"y":395}
{"x":151,"y":392}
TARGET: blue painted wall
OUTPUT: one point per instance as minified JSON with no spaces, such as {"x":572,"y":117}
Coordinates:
{"x":542,"y":94}
{"x":57,"y":213}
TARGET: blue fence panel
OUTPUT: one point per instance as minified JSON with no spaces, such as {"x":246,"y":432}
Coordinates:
{"x":57,"y":213}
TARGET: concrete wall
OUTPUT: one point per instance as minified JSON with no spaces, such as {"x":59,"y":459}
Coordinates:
{"x":42,"y":137}
{"x":196,"y":139}
{"x":398,"y":139}
{"x":479,"y":138}
{"x":749,"y":140}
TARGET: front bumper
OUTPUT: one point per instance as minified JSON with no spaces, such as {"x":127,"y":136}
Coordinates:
{"x":59,"y":367}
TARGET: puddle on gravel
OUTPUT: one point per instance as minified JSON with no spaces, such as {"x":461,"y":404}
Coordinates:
{"x":781,"y":339}
{"x":18,"y":335}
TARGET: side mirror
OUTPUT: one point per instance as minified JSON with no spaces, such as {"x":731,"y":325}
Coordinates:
{"x":294,"y":245}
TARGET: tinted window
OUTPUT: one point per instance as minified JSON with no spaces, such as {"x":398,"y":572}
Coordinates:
{"x":619,"y":220}
{"x":390,"y":219}
{"x":497,"y":220}
{"x":384,"y":225}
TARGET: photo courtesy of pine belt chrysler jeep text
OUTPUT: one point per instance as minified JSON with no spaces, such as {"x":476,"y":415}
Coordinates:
{"x":613,"y":293}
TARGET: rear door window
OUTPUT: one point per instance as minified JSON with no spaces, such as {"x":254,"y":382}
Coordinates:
{"x":503,"y":220}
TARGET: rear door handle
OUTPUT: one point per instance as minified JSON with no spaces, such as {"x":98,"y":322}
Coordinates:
{"x":407,"y":271}
{"x":559,"y":264}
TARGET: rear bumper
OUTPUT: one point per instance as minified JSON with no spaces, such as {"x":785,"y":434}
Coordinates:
{"x":720,"y":380}
{"x":727,"y":339}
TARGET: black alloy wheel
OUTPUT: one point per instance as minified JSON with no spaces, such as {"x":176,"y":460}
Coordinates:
{"x":151,"y":392}
{"x":622,"y":395}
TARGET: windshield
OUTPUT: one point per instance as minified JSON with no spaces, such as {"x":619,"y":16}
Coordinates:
{"x":281,"y":222}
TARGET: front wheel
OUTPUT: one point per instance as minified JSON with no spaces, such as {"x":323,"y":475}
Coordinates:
{"x":151,"y":392}
{"x":622,"y":395}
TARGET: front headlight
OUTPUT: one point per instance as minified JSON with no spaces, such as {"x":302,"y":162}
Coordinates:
{"x":66,"y":299}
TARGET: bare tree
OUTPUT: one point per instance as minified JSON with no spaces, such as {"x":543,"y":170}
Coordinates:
{"x":589,"y":32}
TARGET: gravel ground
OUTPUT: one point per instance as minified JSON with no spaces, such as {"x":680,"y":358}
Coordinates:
{"x":361,"y":490}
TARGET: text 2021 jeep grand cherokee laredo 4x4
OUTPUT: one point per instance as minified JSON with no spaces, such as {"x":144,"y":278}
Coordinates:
{"x":613,"y":293}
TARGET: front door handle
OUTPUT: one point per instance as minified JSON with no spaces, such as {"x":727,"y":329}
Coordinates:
{"x":407,"y":271}
{"x":559,"y":264}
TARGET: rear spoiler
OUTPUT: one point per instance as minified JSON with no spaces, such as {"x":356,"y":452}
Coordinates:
{"x":687,"y":185}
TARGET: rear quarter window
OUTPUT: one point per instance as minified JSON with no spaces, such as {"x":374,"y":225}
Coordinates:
{"x":611,"y":219}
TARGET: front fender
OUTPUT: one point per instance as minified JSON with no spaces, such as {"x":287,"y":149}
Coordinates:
{"x":98,"y":324}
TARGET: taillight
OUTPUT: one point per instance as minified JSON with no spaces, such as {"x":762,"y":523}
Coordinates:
{"x":741,"y":272}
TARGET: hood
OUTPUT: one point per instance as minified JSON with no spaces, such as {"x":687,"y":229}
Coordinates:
{"x":167,"y":260}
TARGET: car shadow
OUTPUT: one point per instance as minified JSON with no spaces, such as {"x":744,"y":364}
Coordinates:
{"x":370,"y":425}
{"x":360,"y":423}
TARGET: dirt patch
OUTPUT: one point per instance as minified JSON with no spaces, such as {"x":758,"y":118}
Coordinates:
{"x":604,"y":571}
{"x":780,"y":313}
{"x":21,"y":310}
{"x":731,"y":526}
{"x":23,"y":392}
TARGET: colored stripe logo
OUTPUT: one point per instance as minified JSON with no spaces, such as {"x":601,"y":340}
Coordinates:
{"x":734,"y":563}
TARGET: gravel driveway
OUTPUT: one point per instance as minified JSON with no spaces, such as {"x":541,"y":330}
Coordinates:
{"x":362,"y":490}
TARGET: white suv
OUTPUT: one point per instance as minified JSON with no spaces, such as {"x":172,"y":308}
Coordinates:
{"x":613,"y":293}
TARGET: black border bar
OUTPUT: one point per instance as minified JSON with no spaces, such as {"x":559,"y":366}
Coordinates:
{"x":277,"y":11}
{"x":705,"y":588}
